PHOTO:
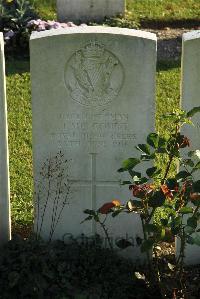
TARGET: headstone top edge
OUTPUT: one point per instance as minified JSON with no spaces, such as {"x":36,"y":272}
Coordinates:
{"x":94,"y":29}
{"x":191,"y":35}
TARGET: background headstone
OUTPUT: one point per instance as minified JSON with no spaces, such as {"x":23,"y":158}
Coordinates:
{"x":5,"y":230}
{"x":190,"y":99}
{"x":88,"y":10}
{"x":93,"y":94}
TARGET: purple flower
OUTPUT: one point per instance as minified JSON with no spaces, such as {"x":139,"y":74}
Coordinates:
{"x":56,"y":25}
{"x":9,"y":34}
{"x":40,"y":25}
{"x":33,"y":23}
{"x":71,"y":24}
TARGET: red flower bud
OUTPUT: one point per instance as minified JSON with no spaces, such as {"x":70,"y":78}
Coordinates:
{"x":183,"y":141}
{"x":105,"y":209}
{"x":167,"y":192}
{"x":141,"y":191}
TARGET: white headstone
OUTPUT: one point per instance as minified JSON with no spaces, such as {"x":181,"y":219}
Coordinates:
{"x":190,"y":99}
{"x":93,"y":93}
{"x":5,"y":230}
{"x":88,"y":10}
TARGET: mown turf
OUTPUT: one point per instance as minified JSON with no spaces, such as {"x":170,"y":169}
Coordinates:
{"x":168,"y":98}
{"x":20,"y":143}
{"x":163,"y":10}
{"x":46,"y":8}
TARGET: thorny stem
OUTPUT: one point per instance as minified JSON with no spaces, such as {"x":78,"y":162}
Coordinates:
{"x":145,"y":238}
{"x":171,"y":157}
{"x":106,"y":232}
{"x":180,"y":260}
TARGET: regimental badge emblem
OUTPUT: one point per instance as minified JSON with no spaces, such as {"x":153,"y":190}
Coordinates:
{"x":93,"y":75}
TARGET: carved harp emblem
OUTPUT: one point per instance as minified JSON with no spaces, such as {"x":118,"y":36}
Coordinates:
{"x":93,"y":75}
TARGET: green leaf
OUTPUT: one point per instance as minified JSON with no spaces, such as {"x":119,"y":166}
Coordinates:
{"x":186,"y":210}
{"x":136,"y":179}
{"x":117,"y":212}
{"x":130,"y":163}
{"x":196,"y":239}
{"x":87,"y":219}
{"x":175,"y":224}
{"x":188,"y":162}
{"x":134,"y":173}
{"x":121,"y":169}
{"x":162,"y":150}
{"x":126,"y":183}
{"x":194,"y":153}
{"x":153,"y":139}
{"x":147,"y":245}
{"x":89,"y":212}
{"x":196,"y":186}
{"x":139,"y":180}
{"x":193,"y":111}
{"x":153,"y":171}
{"x":189,"y":230}
{"x":145,"y":157}
{"x":134,"y":204}
{"x":190,"y":240}
{"x":192,"y":222}
{"x":151,"y":228}
{"x":157,"y":199}
{"x":164,"y":221}
{"x":162,"y":142}
{"x":196,"y":167}
{"x":144,"y":148}
{"x":123,"y":243}
{"x":143,"y":180}
{"x":171,"y":183}
{"x":182,"y":175}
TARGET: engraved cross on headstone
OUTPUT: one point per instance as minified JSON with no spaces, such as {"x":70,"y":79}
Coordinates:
{"x":93,"y":183}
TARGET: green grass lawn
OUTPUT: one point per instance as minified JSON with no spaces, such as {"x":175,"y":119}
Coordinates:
{"x":164,"y":10}
{"x":19,"y":101}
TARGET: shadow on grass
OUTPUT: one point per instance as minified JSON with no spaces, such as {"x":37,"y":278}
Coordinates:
{"x":17,"y":66}
{"x":162,"y":23}
{"x":168,"y":65}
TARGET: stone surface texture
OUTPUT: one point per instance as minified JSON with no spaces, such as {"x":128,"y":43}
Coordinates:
{"x":93,"y":95}
{"x":88,"y":10}
{"x":5,"y":227}
{"x":191,"y":98}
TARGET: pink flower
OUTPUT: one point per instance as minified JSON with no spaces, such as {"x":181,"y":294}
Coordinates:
{"x":40,"y":25}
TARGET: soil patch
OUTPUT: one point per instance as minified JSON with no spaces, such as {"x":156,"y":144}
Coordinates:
{"x":170,"y":42}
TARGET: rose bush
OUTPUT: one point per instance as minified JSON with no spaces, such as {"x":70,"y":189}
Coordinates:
{"x":178,"y":196}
